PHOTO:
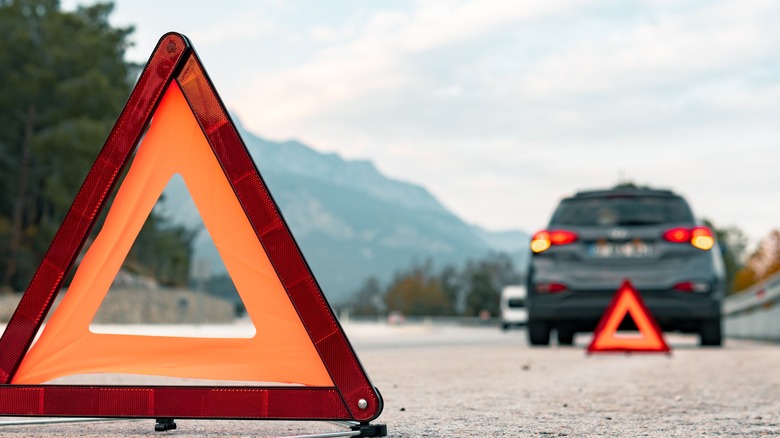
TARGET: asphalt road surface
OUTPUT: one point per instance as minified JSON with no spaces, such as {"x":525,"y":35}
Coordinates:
{"x":445,"y":381}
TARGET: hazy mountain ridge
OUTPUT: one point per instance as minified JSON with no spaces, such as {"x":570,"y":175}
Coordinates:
{"x":507,"y":241}
{"x":349,"y":220}
{"x":295,"y":158}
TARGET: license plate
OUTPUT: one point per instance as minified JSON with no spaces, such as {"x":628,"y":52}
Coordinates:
{"x":632,"y":249}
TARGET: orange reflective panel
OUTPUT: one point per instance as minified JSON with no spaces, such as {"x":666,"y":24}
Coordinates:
{"x":280,"y":351}
{"x":627,"y":301}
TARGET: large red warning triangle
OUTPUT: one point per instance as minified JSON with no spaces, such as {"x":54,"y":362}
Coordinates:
{"x":627,"y":301}
{"x":299,"y":345}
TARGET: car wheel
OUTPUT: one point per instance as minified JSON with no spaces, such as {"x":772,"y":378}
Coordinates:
{"x":710,"y":333}
{"x":539,"y":333}
{"x":565,"y":336}
{"x":505,"y":326}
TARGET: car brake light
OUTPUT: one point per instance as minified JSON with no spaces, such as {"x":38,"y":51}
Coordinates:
{"x":561,"y":237}
{"x":550,"y":288}
{"x":691,"y":286}
{"x":699,"y":237}
{"x":678,"y":235}
{"x":544,"y":239}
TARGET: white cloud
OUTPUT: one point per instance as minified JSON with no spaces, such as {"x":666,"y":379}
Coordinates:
{"x":329,"y":35}
{"x":751,"y":99}
{"x":375,"y":58}
{"x":439,"y":23}
{"x":499,"y":107}
{"x":673,"y":50}
{"x":238,"y":28}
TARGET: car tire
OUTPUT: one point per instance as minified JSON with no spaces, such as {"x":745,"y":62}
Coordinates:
{"x":538,"y":333}
{"x":565,"y":337}
{"x":710,"y":333}
{"x":504,"y":326}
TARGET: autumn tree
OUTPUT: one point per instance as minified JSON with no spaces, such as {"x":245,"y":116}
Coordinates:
{"x":762,"y":263}
{"x":417,"y":292}
{"x":743,"y":279}
{"x":420,"y":290}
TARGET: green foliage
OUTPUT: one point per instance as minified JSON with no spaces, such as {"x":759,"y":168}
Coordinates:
{"x":484,"y":281}
{"x":733,"y":242}
{"x":368,"y":299}
{"x":452,"y":284}
{"x":64,"y":82}
{"x":162,"y":251}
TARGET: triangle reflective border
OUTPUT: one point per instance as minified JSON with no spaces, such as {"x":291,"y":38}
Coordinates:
{"x":627,"y":301}
{"x":174,"y":65}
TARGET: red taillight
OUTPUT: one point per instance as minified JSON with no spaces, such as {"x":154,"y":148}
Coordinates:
{"x":550,"y":288}
{"x":678,"y":235}
{"x":561,"y":237}
{"x":685,"y":286}
{"x":692,"y":286}
{"x":699,"y":237}
{"x":544,"y":239}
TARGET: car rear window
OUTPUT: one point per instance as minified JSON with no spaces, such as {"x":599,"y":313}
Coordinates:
{"x":621,"y":211}
{"x":516,"y":302}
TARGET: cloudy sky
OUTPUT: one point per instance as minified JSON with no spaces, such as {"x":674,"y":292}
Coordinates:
{"x":500,"y":108}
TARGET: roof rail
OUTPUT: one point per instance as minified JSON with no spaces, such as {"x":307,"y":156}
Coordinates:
{"x":636,"y":191}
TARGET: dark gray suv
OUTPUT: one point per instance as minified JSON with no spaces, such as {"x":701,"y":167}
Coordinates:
{"x":597,"y":239}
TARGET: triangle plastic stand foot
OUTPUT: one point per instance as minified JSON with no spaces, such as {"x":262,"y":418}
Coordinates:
{"x":164,"y":424}
{"x":370,"y":430}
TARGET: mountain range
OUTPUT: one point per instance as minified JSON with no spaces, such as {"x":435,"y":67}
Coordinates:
{"x":350,"y":221}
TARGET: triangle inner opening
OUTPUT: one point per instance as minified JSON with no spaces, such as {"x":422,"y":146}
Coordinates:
{"x":627,"y":324}
{"x":173,"y":281}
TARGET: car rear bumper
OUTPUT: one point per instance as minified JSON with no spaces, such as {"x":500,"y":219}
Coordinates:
{"x":672,"y":310}
{"x":514,"y":316}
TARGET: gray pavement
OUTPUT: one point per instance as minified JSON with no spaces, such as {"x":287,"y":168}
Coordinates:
{"x":444,"y":381}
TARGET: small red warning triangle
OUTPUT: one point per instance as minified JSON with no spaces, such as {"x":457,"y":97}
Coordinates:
{"x":627,"y":301}
{"x":299,"y":344}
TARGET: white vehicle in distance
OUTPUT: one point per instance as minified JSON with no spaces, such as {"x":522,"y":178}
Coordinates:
{"x":513,"y":310}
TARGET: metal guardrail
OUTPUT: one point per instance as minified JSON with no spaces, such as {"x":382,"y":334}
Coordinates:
{"x":754,"y":313}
